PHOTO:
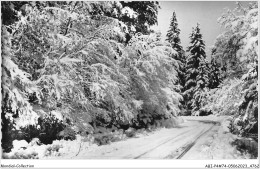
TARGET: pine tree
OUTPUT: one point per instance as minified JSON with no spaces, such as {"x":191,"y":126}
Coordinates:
{"x":197,"y":70}
{"x":202,"y":84}
{"x":173,"y":33}
{"x":173,"y":38}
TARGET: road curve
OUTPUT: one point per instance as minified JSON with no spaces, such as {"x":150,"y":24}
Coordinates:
{"x":162,"y":144}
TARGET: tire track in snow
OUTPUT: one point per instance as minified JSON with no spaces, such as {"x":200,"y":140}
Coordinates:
{"x":190,"y":145}
{"x":156,"y":147}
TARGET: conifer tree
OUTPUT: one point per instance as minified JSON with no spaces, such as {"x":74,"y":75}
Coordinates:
{"x":173,"y":38}
{"x":173,"y":33}
{"x":197,"y":70}
{"x":202,"y":84}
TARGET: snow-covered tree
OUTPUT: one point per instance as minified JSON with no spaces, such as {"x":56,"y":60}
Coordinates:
{"x":196,"y":68}
{"x":150,"y":66}
{"x":59,"y":61}
{"x":236,"y":51}
{"x":237,"y":46}
{"x":145,"y":13}
{"x":173,"y":38}
{"x":16,"y":87}
{"x":173,"y":33}
{"x":202,"y":84}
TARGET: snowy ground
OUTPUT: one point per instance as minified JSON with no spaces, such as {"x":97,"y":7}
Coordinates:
{"x":216,"y":144}
{"x":197,"y":138}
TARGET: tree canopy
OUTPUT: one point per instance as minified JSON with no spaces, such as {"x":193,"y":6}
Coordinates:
{"x":67,"y":66}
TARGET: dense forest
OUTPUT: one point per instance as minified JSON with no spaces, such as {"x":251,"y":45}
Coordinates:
{"x":96,"y":68}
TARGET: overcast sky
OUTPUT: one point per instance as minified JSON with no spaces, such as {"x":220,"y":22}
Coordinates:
{"x":188,"y":13}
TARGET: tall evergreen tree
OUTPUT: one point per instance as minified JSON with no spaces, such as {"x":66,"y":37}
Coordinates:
{"x":173,"y":33}
{"x":197,"y":70}
{"x":173,"y":38}
{"x":202,"y":84}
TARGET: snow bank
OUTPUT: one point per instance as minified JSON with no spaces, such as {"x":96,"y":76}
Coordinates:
{"x":58,"y":149}
{"x":19,"y":144}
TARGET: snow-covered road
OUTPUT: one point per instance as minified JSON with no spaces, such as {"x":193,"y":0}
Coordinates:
{"x":164,"y":143}
{"x":200,"y":138}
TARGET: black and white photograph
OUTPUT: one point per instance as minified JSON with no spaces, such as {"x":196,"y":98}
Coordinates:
{"x":129,"y":80}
